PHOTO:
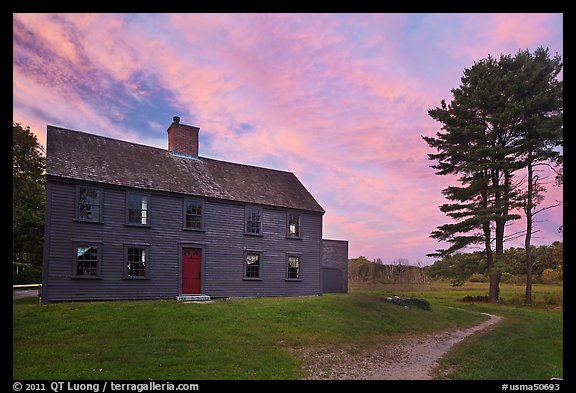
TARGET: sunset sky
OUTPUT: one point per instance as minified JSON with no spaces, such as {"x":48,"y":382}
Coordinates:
{"x":341,"y":100}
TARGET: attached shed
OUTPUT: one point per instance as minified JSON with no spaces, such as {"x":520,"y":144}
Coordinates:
{"x":334,"y":266}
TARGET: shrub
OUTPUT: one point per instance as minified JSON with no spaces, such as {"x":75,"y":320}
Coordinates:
{"x":409,"y":301}
{"x":420,"y":303}
{"x":550,"y":276}
{"x":472,"y":299}
{"x":456,"y":283}
{"x":32,"y":275}
{"x":478,"y":277}
{"x":507,"y":277}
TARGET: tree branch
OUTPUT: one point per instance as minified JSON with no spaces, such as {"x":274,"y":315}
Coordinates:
{"x":549,"y":166}
{"x":558,"y":203}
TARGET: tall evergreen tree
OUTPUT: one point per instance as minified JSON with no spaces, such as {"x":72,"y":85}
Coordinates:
{"x":536,"y":101}
{"x":476,"y":146}
{"x":506,"y":116}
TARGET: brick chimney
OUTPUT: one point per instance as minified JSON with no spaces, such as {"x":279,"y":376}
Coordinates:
{"x":183,"y":139}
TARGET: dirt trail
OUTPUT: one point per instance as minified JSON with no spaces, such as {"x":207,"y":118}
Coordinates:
{"x":408,"y":358}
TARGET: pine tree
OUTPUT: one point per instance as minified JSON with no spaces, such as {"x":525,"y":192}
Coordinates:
{"x":536,"y":95}
{"x":476,"y":146}
{"x":505,"y":117}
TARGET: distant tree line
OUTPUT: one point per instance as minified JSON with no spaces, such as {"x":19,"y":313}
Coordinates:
{"x":547,"y":265}
{"x":362,"y":270}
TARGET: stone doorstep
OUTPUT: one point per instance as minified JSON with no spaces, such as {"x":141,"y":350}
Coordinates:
{"x":196,"y":298}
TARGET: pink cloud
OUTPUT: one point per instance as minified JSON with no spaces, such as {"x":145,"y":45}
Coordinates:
{"x":64,"y":110}
{"x":496,"y":34}
{"x":340,"y":100}
{"x":54,"y":33}
{"x":348,"y":141}
{"x":523,"y":30}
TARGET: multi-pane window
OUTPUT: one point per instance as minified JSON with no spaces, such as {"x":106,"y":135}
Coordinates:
{"x":138,"y":209}
{"x":136,"y":260}
{"x":194,"y":215}
{"x":89,"y":202}
{"x":293,"y":266}
{"x":253,"y":220}
{"x":293,"y":225}
{"x":252,"y":265}
{"x":86,"y":260}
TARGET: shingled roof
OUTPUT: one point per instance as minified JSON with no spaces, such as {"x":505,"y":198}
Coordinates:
{"x":83,"y":156}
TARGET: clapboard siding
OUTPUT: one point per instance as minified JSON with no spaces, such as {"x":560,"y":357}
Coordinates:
{"x":334,"y":266}
{"x":223,"y":242}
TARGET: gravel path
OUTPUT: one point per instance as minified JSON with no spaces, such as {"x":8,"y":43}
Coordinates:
{"x":409,"y":358}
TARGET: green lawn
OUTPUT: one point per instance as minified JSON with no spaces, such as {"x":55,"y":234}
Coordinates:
{"x":251,"y":338}
{"x":527,"y":345}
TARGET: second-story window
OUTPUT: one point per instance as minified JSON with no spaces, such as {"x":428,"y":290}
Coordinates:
{"x":294,"y":225}
{"x":89,"y":203}
{"x":194,"y":214}
{"x":138,"y":207}
{"x":253,"y":221}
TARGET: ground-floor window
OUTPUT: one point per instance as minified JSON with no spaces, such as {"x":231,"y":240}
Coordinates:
{"x":252,"y":266}
{"x":136,"y":261}
{"x":87,"y":260}
{"x":293,"y":267}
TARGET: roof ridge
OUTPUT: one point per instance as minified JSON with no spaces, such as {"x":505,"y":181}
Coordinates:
{"x":247,"y":165}
{"x":167,"y":151}
{"x":91,"y":157}
{"x":105,"y":137}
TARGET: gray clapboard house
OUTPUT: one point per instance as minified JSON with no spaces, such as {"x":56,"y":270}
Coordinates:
{"x":128,"y":221}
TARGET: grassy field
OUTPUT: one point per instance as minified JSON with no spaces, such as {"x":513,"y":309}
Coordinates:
{"x":251,"y":338}
{"x":527,"y":345}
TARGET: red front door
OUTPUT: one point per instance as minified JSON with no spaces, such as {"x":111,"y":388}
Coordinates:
{"x":191,"y":266}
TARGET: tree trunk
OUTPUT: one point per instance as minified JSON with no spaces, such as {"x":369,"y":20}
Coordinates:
{"x":527,"y":239}
{"x":528,"y":299}
{"x":501,"y":202}
{"x":494,"y":289}
{"x":495,"y":275}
